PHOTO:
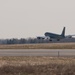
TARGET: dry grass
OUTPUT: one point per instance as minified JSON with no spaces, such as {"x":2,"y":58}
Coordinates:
{"x":40,"y":46}
{"x":49,"y":69}
{"x":37,"y":66}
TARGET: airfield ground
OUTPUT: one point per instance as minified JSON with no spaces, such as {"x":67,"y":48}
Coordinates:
{"x":40,"y":46}
{"x":37,"y":66}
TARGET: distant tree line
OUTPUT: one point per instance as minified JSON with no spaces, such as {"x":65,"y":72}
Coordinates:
{"x":33,"y":41}
{"x":23,"y":41}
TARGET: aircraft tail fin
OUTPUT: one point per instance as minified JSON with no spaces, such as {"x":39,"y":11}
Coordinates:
{"x":63,"y":32}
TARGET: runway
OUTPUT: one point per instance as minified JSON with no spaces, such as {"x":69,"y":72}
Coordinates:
{"x":38,"y":52}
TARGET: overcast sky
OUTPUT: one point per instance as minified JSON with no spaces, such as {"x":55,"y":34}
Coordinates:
{"x":31,"y":18}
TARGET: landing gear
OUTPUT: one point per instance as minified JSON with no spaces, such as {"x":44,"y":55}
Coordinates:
{"x":50,"y":40}
{"x":58,"y":39}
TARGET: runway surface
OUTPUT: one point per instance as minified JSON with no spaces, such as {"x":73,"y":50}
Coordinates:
{"x":38,"y":52}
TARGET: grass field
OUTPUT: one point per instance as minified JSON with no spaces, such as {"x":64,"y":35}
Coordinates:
{"x":40,"y":46}
{"x":37,"y":66}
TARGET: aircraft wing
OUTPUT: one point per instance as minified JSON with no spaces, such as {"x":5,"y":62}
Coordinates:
{"x":69,"y":36}
{"x":39,"y":37}
{"x":43,"y":37}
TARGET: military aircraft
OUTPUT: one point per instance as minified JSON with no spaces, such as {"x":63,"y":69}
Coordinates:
{"x":51,"y":36}
{"x":56,"y":36}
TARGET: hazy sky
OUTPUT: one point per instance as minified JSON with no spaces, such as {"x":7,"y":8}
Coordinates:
{"x":31,"y":18}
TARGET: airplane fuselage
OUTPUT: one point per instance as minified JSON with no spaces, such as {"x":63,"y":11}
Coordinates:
{"x":54,"y":36}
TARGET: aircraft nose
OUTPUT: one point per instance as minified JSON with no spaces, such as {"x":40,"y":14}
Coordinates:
{"x":46,"y":34}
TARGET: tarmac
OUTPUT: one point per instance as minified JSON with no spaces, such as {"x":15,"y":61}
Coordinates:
{"x":38,"y":52}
